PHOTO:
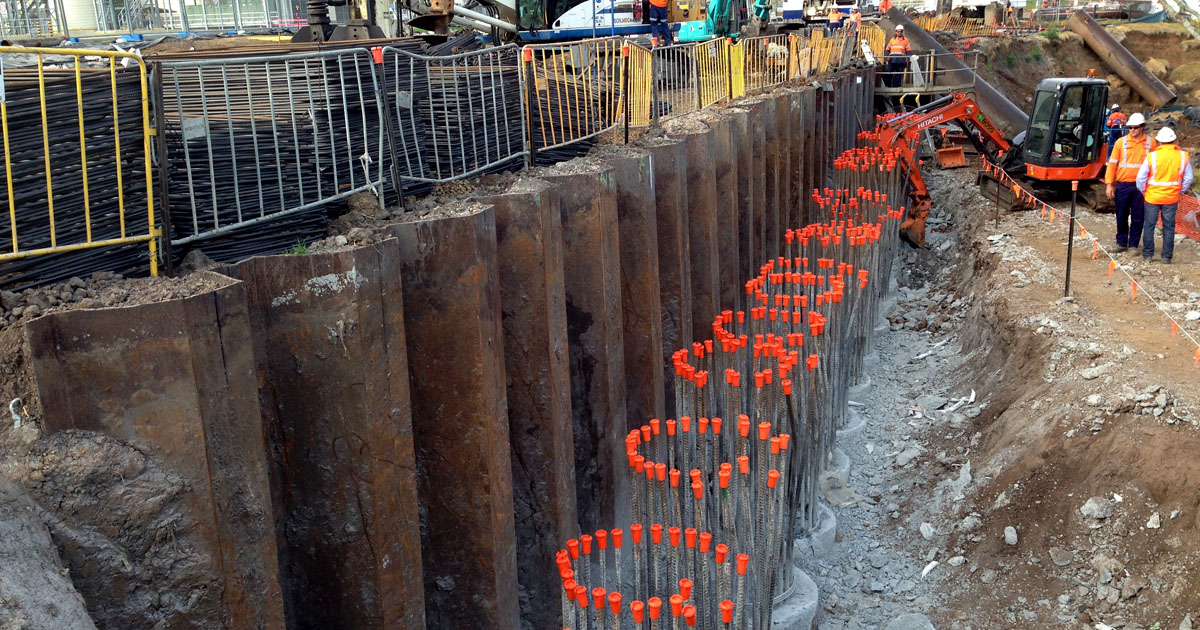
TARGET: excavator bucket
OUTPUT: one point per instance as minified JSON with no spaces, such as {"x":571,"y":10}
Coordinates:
{"x":951,"y":157}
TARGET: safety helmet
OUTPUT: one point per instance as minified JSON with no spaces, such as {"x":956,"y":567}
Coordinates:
{"x":1166,"y":134}
{"x":900,"y":27}
{"x":1116,"y":107}
{"x":1135,"y":119}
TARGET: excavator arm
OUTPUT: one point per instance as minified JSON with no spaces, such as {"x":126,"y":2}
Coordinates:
{"x":903,"y":132}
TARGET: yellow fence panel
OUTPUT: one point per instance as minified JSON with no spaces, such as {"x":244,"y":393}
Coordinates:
{"x":641,"y":78}
{"x":766,"y":61}
{"x":737,"y":70}
{"x":712,"y":70}
{"x":875,"y":38}
{"x":577,"y":90}
{"x":76,"y":141}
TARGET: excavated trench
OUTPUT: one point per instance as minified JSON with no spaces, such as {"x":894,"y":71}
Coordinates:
{"x":994,"y":404}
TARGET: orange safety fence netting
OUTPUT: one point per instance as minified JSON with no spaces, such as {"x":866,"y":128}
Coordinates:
{"x":1187,"y":218}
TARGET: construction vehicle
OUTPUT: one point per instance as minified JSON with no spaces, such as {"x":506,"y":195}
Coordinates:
{"x":802,"y":12}
{"x":1064,"y":142}
{"x":548,"y":20}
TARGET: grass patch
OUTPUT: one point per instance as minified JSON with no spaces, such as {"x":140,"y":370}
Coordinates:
{"x":1052,"y":32}
{"x":1011,"y":60}
{"x":299,"y":248}
{"x":1037,"y":52}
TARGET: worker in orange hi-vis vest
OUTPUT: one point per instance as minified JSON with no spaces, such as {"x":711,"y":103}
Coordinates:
{"x":1163,"y":177}
{"x":659,"y":29}
{"x":1120,"y":180}
{"x":835,"y":19}
{"x":856,"y":19}
{"x":896,"y":54}
{"x":1115,"y":123}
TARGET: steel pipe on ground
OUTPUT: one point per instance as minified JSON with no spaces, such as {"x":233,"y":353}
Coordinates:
{"x":1121,"y":60}
{"x":1010,"y":118}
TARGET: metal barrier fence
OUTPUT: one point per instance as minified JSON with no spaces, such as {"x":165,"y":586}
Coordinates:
{"x":77,"y":167}
{"x":456,"y":116}
{"x":766,"y":61}
{"x":641,"y":85}
{"x":713,"y":69}
{"x":248,"y":141}
{"x":963,"y":27}
{"x":676,"y":89}
{"x":828,"y":52}
{"x":254,"y":139}
{"x":929,"y":72}
{"x":573,"y":91}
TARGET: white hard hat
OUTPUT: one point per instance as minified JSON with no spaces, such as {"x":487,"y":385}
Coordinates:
{"x":1135,"y":119}
{"x":1115,"y":107}
{"x":899,"y":27}
{"x":1166,"y":134}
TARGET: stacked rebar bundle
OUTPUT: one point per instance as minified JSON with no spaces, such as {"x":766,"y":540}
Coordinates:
{"x":759,"y":407}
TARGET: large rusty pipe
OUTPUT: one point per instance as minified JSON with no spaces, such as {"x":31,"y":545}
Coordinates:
{"x":1007,"y":116}
{"x":1156,"y":93}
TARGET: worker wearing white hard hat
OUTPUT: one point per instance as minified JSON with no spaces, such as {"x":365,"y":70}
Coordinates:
{"x":1164,"y":176}
{"x":1115,"y":124}
{"x":896,"y":53}
{"x":1120,"y":179}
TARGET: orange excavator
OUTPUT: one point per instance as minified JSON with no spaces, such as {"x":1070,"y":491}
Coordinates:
{"x":1064,"y":142}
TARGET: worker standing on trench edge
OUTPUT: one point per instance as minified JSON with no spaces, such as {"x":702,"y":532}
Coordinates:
{"x":1124,"y":163}
{"x":835,"y":19}
{"x":856,"y":19}
{"x":1165,"y":174}
{"x":896,"y":54}
{"x":658,"y":22}
{"x":1115,"y":124}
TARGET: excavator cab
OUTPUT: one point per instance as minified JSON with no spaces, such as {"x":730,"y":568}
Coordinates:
{"x":1065,"y":140}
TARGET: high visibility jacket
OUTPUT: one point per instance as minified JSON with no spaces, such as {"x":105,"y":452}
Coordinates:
{"x":1164,"y":174}
{"x":885,"y":6}
{"x":1115,"y":119}
{"x":662,"y":4}
{"x":835,"y":16}
{"x":1126,"y":159}
{"x":898,"y":46}
{"x":856,"y":17}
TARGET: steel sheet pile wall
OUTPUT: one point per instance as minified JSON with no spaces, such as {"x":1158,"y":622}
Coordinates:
{"x":44,"y":170}
{"x":528,"y":339}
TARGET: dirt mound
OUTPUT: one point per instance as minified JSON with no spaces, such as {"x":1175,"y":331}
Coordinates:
{"x":34,"y":590}
{"x":1016,"y":65}
{"x":1081,"y":406}
{"x":118,"y":521}
{"x":1187,"y":76}
{"x":1158,"y":68}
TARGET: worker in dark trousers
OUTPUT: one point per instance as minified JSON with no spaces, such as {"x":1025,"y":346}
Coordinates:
{"x":835,"y":20}
{"x":1120,"y":180}
{"x":896,"y":53}
{"x":659,"y":29}
{"x":1115,"y":124}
